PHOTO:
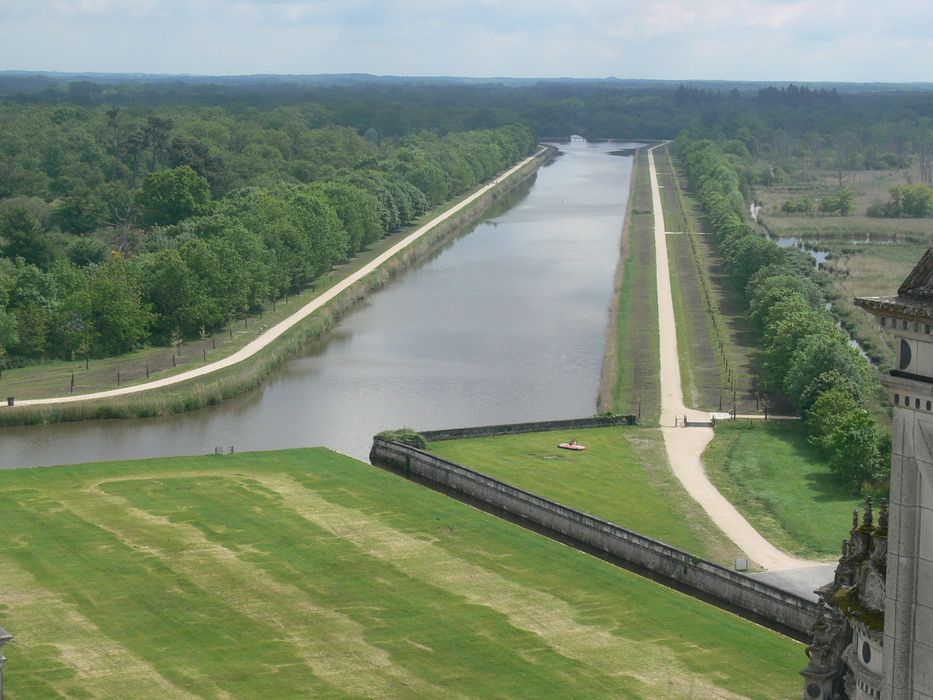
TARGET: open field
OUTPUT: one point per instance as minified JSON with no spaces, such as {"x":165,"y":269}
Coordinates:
{"x":623,"y":477}
{"x":631,"y":383}
{"x":867,"y":186}
{"x":304,"y":573}
{"x":869,"y":269}
{"x":716,"y":346}
{"x":775,"y":478}
{"x":867,"y":256}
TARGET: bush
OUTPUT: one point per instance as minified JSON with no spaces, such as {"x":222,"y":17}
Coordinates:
{"x":406,"y":436}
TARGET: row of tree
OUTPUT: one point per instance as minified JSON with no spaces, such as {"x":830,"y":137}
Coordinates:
{"x":199,"y":261}
{"x":806,"y":357}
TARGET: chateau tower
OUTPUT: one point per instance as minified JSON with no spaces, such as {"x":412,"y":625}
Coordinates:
{"x":908,"y":606}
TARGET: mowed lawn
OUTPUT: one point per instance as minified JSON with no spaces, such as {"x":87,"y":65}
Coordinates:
{"x":623,"y":477}
{"x":777,"y":480}
{"x":304,"y":573}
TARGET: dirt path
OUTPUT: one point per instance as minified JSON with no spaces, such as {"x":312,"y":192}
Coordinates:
{"x":685,"y":446}
{"x":277,"y":330}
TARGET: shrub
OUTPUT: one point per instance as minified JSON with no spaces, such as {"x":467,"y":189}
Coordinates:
{"x":406,"y":436}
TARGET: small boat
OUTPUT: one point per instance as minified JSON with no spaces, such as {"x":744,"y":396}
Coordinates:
{"x":572,"y":446}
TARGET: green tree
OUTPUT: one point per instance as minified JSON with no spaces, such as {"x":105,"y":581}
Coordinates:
{"x":815,"y":355}
{"x":358,"y":212}
{"x":168,"y":196}
{"x":24,"y":238}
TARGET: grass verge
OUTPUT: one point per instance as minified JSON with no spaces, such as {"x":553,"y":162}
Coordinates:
{"x":716,"y":347}
{"x":630,"y":382}
{"x":775,"y":478}
{"x":304,"y":573}
{"x":622,"y":477}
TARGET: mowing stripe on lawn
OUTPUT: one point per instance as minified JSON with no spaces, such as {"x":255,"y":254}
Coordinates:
{"x":545,"y":615}
{"x":81,"y":656}
{"x":336,"y":650}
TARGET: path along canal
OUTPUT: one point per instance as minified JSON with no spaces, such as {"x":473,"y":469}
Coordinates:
{"x":505,"y":324}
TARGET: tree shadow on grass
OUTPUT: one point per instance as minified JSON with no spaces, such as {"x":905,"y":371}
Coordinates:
{"x":829,"y":488}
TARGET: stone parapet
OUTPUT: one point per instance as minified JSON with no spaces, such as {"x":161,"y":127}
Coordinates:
{"x":737,"y":592}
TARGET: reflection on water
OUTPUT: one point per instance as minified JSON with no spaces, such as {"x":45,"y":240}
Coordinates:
{"x":505,"y":324}
{"x":819,"y":256}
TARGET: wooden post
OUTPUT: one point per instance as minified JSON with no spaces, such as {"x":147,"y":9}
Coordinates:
{"x":147,"y":369}
{"x":231,"y":332}
{"x":72,"y":383}
{"x":118,"y":376}
{"x":204,"y":350}
{"x":213,"y":342}
{"x":173,"y":359}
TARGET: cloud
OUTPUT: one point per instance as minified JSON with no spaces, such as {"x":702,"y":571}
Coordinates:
{"x":677,"y":39}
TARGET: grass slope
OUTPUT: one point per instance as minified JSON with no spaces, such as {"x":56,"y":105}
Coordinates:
{"x":637,"y":387}
{"x":623,"y":477}
{"x":716,"y":347}
{"x":304,"y":573}
{"x":775,"y":478}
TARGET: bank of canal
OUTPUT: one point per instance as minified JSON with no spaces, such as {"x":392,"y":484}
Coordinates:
{"x":506,"y":323}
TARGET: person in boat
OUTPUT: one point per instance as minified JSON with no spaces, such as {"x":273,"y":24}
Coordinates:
{"x":573,"y":442}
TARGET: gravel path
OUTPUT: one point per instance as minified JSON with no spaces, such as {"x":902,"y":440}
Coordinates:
{"x":685,"y":445}
{"x":277,"y":330}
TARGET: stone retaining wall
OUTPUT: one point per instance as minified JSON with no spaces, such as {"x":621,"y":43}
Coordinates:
{"x":535,"y":427}
{"x":777,"y":608}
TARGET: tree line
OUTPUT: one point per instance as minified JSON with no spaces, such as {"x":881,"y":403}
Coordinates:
{"x":140,"y":234}
{"x":806,"y":357}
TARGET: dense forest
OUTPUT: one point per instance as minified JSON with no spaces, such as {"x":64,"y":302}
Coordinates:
{"x":126,"y":226}
{"x":137,"y":210}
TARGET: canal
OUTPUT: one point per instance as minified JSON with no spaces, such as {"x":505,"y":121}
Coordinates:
{"x":506,"y":323}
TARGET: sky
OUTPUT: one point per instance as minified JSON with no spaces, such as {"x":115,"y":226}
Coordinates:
{"x":771,"y":40}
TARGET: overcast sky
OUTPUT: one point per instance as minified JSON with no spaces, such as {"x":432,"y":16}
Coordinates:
{"x":853,"y":40}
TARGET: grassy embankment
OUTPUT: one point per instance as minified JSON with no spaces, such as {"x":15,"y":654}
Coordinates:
{"x":622,"y":477}
{"x":714,"y":343}
{"x":781,"y":485}
{"x":304,"y":573}
{"x":630,"y":382}
{"x":867,"y":256}
{"x":53,"y":379}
